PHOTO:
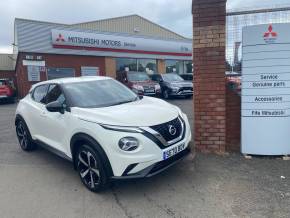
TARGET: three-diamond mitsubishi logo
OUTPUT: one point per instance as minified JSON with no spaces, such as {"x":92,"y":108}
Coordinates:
{"x":60,"y":38}
{"x":270,"y":36}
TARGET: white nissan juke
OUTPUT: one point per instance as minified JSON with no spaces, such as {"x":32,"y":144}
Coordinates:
{"x":105,"y":129}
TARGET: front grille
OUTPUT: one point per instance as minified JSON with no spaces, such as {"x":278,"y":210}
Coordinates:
{"x":186,"y":88}
{"x":164,"y":129}
{"x":148,"y":87}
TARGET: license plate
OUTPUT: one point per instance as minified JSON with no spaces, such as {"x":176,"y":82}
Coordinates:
{"x":187,"y":91}
{"x":173,"y":151}
{"x":3,"y":96}
{"x":149,"y":90}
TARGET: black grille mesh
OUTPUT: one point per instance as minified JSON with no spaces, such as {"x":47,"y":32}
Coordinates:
{"x":163,"y":129}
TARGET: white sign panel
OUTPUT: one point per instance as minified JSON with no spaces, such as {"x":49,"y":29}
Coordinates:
{"x":266,"y":90}
{"x":115,"y":43}
{"x":33,"y":73}
{"x":33,"y":63}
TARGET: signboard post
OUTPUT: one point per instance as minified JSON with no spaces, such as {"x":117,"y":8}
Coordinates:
{"x":266,"y":90}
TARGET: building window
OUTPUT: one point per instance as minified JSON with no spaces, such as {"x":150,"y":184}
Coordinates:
{"x":179,"y":67}
{"x":147,"y":65}
{"x":187,"y":67}
{"x":123,"y":63}
{"x":141,"y":65}
{"x":56,"y":73}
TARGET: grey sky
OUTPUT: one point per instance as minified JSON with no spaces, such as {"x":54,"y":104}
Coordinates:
{"x":173,"y":14}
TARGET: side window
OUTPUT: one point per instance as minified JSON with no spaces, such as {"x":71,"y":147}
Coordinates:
{"x":39,"y":93}
{"x":55,"y":94}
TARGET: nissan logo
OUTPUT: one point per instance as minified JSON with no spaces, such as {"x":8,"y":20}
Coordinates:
{"x":171,"y":130}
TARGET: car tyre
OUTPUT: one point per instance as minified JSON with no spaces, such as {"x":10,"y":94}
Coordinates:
{"x":91,"y":169}
{"x":165,"y":94}
{"x":24,"y":137}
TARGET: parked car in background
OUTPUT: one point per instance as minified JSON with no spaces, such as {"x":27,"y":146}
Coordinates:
{"x":187,"y":76}
{"x":7,"y":90}
{"x":108,"y":134}
{"x":139,"y":82}
{"x":172,"y":85}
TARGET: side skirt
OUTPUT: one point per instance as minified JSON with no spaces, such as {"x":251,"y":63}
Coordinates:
{"x":53,"y":150}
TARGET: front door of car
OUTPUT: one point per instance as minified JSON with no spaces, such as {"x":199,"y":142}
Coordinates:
{"x":54,"y":124}
{"x":34,"y":115}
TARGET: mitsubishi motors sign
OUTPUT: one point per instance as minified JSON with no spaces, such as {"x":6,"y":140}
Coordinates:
{"x":115,"y":43}
{"x":266,"y":89}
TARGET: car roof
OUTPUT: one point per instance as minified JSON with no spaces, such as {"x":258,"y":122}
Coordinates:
{"x":72,"y":80}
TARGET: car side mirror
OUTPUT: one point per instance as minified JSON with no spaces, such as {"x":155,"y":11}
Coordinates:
{"x":55,"y":106}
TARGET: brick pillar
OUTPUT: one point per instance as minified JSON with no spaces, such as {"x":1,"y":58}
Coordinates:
{"x":161,"y":66}
{"x":209,"y":20}
{"x":110,"y":67}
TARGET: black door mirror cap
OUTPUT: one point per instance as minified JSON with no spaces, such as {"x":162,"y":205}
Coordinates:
{"x":55,"y":106}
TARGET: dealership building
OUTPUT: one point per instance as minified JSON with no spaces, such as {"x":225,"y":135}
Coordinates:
{"x":44,"y":50}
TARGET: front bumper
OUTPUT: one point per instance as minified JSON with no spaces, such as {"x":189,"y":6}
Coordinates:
{"x":180,"y":93}
{"x":154,"y":169}
{"x":143,"y":161}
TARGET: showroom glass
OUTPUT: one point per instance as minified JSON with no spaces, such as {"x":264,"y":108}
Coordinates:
{"x":174,"y":64}
{"x":56,"y":73}
{"x":138,"y":76}
{"x":55,"y":94}
{"x":187,"y":67}
{"x":134,"y":64}
{"x":122,"y":63}
{"x":39,"y":93}
{"x":146,"y":65}
{"x":171,"y":77}
{"x":98,"y":93}
{"x":180,"y":67}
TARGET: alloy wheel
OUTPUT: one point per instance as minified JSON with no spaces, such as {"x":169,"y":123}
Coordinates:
{"x":22,"y":135}
{"x":88,"y":169}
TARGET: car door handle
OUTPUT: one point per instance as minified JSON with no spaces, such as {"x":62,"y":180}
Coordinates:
{"x":43,"y":114}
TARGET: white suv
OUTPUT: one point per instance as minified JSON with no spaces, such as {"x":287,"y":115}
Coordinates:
{"x":104,"y":128}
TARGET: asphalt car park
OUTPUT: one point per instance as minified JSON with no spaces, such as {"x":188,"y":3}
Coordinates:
{"x":39,"y":184}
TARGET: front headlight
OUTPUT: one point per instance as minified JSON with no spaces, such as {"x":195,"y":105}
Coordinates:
{"x":122,"y":128}
{"x":138,"y":87}
{"x":157,"y":87}
{"x":128,"y":143}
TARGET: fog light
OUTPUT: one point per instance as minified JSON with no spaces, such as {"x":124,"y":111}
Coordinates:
{"x":128,"y":143}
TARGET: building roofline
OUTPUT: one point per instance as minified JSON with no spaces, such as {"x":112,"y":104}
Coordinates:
{"x":137,"y":15}
{"x":38,"y":21}
{"x":105,"y":32}
{"x":113,"y":18}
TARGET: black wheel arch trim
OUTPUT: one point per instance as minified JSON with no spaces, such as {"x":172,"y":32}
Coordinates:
{"x":92,"y":142}
{"x":19,"y":117}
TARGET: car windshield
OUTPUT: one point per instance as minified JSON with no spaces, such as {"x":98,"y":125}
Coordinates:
{"x":171,"y":77}
{"x":2,"y":82}
{"x":98,"y":93}
{"x":138,"y":76}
